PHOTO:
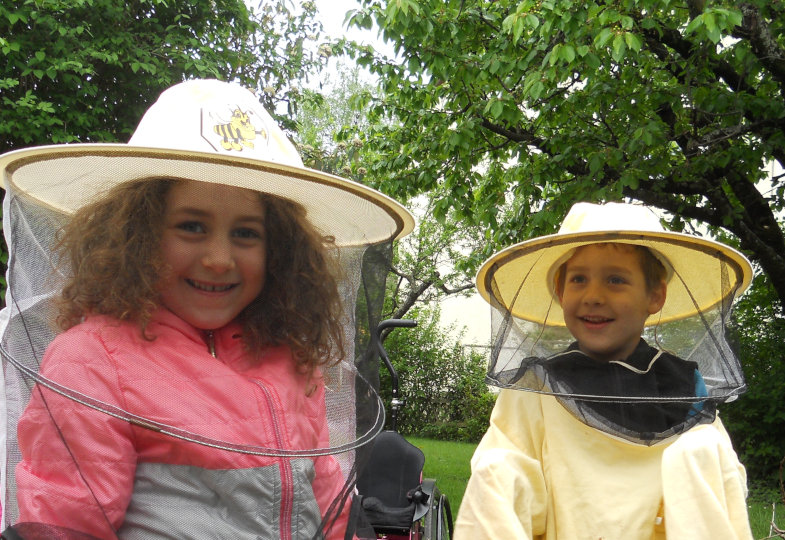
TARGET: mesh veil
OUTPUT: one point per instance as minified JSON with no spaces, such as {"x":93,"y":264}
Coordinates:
{"x":354,"y":411}
{"x":682,"y":368}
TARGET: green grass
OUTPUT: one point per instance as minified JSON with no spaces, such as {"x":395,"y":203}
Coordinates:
{"x":761,"y":516}
{"x":448,"y":463}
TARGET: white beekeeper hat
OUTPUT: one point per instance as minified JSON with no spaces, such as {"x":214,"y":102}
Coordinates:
{"x":521,"y":277}
{"x":210,"y":131}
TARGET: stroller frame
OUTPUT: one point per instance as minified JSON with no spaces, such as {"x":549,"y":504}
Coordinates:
{"x":392,"y":493}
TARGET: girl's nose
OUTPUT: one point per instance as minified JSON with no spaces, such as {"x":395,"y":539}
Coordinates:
{"x":218,"y":256}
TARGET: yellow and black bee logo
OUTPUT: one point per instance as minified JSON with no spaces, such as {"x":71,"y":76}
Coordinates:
{"x":238,"y":132}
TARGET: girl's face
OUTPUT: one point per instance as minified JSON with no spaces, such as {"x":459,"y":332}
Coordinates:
{"x":214,"y":249}
{"x":606,"y":302}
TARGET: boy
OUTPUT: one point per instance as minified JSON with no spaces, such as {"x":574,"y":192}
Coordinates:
{"x":614,"y":438}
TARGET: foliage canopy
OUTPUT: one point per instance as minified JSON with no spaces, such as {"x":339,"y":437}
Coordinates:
{"x":516,"y":109}
{"x":430,"y":263}
{"x":86,"y":70}
{"x":757,"y":418}
{"x":443,"y":385}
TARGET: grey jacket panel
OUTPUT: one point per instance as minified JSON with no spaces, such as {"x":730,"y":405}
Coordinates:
{"x":190,"y":502}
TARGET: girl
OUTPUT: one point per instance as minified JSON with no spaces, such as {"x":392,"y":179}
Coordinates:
{"x":193,"y":392}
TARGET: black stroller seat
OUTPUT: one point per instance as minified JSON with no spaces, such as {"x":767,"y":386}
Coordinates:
{"x":392,"y":496}
{"x":391,"y":484}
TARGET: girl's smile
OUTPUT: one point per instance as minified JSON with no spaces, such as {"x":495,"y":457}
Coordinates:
{"x":209,"y":288}
{"x":214,"y":250}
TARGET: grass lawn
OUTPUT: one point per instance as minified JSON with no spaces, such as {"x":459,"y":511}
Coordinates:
{"x":448,"y":463}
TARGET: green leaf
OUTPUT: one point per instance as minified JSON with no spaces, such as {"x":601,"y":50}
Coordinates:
{"x":568,"y":53}
{"x":712,"y":30}
{"x":593,"y":61}
{"x":694,"y":24}
{"x":497,"y":108}
{"x":633,"y":41}
{"x":619,"y":48}
{"x":734,"y":17}
{"x":603,"y":37}
{"x":514,"y":24}
{"x":595,"y":163}
{"x":553,"y":56}
{"x":536,"y":89}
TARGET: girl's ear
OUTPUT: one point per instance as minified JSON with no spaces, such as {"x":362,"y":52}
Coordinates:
{"x":657,"y":297}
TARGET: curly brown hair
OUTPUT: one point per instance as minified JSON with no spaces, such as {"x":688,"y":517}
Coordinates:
{"x":113,"y":262}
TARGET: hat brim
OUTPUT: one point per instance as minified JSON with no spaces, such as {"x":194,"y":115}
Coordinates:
{"x":65,"y":177}
{"x":705,"y":273}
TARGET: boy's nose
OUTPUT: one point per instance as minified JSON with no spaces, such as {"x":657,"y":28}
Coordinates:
{"x":593,"y":294}
{"x":218,"y":256}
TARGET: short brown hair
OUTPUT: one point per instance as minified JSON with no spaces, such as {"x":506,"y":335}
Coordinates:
{"x":112,"y":250}
{"x":654,"y":272}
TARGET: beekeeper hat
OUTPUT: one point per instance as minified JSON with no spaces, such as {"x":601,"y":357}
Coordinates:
{"x":210,"y":131}
{"x":701,"y":272}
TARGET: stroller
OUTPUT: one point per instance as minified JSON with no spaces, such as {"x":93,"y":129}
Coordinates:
{"x":394,"y":497}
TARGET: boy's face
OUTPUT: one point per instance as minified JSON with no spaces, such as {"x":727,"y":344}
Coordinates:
{"x":605,"y":300}
{"x":214,"y":249}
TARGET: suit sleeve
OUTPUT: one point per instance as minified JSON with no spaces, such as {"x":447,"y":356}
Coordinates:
{"x":506,"y":495}
{"x":77,"y":464}
{"x":704,"y":486}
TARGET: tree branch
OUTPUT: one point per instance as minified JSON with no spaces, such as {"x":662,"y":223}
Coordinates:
{"x":456,"y":290}
{"x":755,"y":30}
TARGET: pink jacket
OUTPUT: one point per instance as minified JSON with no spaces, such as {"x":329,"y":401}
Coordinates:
{"x":112,"y":478}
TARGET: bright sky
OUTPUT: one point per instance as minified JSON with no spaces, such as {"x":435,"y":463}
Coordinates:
{"x":473,"y":312}
{"x":332,"y":14}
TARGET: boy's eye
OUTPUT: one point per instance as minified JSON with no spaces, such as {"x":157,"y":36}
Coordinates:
{"x":191,"y":226}
{"x":617,"y":280}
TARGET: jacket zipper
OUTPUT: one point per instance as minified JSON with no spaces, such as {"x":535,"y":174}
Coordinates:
{"x":211,"y":344}
{"x":287,"y":479}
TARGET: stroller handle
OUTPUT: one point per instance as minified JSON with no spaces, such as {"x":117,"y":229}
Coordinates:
{"x":396,"y":401}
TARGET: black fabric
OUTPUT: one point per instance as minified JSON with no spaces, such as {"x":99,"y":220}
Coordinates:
{"x":669,"y":377}
{"x":359,"y":526}
{"x":39,"y":531}
{"x":642,"y":407}
{"x":393,"y":472}
{"x":388,"y":517}
{"x":393,"y":469}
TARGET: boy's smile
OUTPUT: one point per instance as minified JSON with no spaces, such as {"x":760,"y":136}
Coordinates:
{"x":214,"y":249}
{"x":605,"y":300}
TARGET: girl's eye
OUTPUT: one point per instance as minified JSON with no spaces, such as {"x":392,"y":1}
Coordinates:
{"x":191,"y":226}
{"x":247,"y":233}
{"x":576,"y":278}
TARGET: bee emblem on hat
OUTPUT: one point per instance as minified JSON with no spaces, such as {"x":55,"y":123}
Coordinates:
{"x":238,"y":132}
